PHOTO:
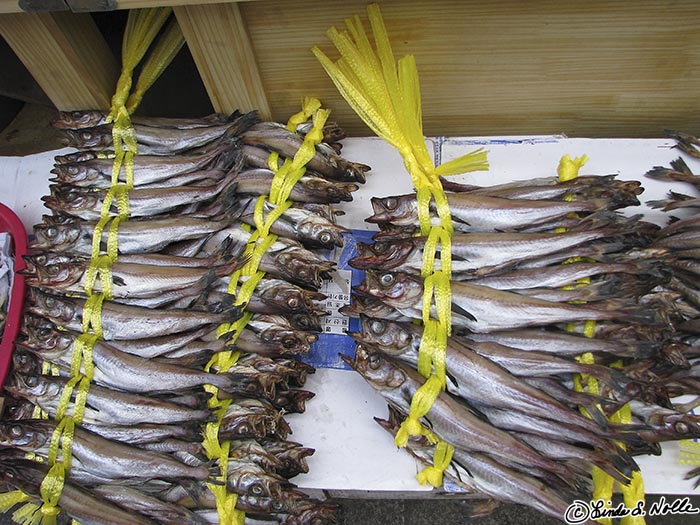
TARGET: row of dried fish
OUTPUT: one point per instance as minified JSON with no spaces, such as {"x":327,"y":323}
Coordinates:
{"x":520,"y":297}
{"x":138,"y":456}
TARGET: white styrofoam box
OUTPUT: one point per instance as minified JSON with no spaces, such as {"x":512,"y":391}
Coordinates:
{"x":23,"y":181}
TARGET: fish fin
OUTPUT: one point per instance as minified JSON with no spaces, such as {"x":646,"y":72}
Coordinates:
{"x":461,"y":311}
{"x":483,"y":508}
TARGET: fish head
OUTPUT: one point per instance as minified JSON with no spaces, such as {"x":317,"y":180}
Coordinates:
{"x":33,"y":387}
{"x":392,"y":337}
{"x":312,"y":512}
{"x":59,"y":237}
{"x":51,"y":306}
{"x":25,"y":362}
{"x":290,"y":298}
{"x":370,"y":306}
{"x":293,"y":341}
{"x":248,"y":426}
{"x":376,"y":369}
{"x":306,"y":322}
{"x":58,"y":270}
{"x":675,"y":426}
{"x":397,"y":208}
{"x":21,"y":473}
{"x":75,"y":173}
{"x":16,"y":407}
{"x":386,"y":255}
{"x":71,"y":198}
{"x":28,"y":435}
{"x":397,"y":289}
{"x":79,"y":156}
{"x":78,"y":119}
{"x":320,"y":232}
{"x":58,"y":218}
{"x":246,"y":480}
{"x":328,"y":191}
{"x":298,"y":270}
{"x":46,"y":340}
{"x":88,"y":138}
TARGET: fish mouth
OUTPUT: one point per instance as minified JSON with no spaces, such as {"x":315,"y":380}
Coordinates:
{"x":348,"y":361}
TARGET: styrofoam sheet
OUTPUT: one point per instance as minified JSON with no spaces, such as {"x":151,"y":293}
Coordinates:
{"x":352,"y":452}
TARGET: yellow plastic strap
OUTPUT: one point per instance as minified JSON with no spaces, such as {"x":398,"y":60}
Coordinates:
{"x":142,"y":26}
{"x":258,"y":244}
{"x":92,"y":315}
{"x":308,"y":108}
{"x":100,"y":267}
{"x":12,"y":498}
{"x":442,"y":458}
{"x":421,"y":403}
{"x":162,"y":55}
{"x":603,"y":483}
{"x":27,"y":514}
{"x":386,"y":95}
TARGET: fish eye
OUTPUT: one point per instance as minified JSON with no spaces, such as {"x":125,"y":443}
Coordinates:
{"x":86,"y":135}
{"x":375,"y":361}
{"x":51,"y":232}
{"x":277,"y":505}
{"x":680,"y":427}
{"x":53,"y":269}
{"x":380,"y":247}
{"x":50,"y":302}
{"x":325,"y":238}
{"x":244,"y":429}
{"x":76,"y":114}
{"x":256,"y":489}
{"x":387,"y":279}
{"x":73,"y":170}
{"x":41,"y":259}
{"x":289,"y":342}
{"x":16,"y":431}
{"x":377,"y":327}
{"x":303,"y":321}
{"x":391,"y":203}
{"x":31,"y":381}
{"x":304,"y":274}
{"x":293,"y":302}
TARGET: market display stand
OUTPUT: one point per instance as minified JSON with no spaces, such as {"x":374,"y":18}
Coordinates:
{"x":354,"y":456}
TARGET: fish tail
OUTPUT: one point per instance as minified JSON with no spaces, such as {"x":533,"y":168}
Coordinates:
{"x":242,"y":123}
{"x":621,"y":467}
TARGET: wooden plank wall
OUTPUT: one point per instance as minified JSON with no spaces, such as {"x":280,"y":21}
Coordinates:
{"x":593,"y":68}
{"x":597,"y":68}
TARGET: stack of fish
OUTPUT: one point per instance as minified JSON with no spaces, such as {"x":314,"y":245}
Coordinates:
{"x":139,"y":448}
{"x":534,"y":263}
{"x":682,"y":238}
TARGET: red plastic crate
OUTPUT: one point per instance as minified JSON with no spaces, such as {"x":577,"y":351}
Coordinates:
{"x":9,"y":222}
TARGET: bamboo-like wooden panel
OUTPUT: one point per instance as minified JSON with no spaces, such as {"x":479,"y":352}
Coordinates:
{"x":218,"y":41}
{"x":595,"y":68}
{"x":66,"y":55}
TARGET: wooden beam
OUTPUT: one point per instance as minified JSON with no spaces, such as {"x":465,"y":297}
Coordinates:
{"x":66,"y":55}
{"x":12,"y":6}
{"x":218,"y":40}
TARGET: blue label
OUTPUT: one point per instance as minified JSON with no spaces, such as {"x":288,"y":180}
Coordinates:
{"x":325,"y":352}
